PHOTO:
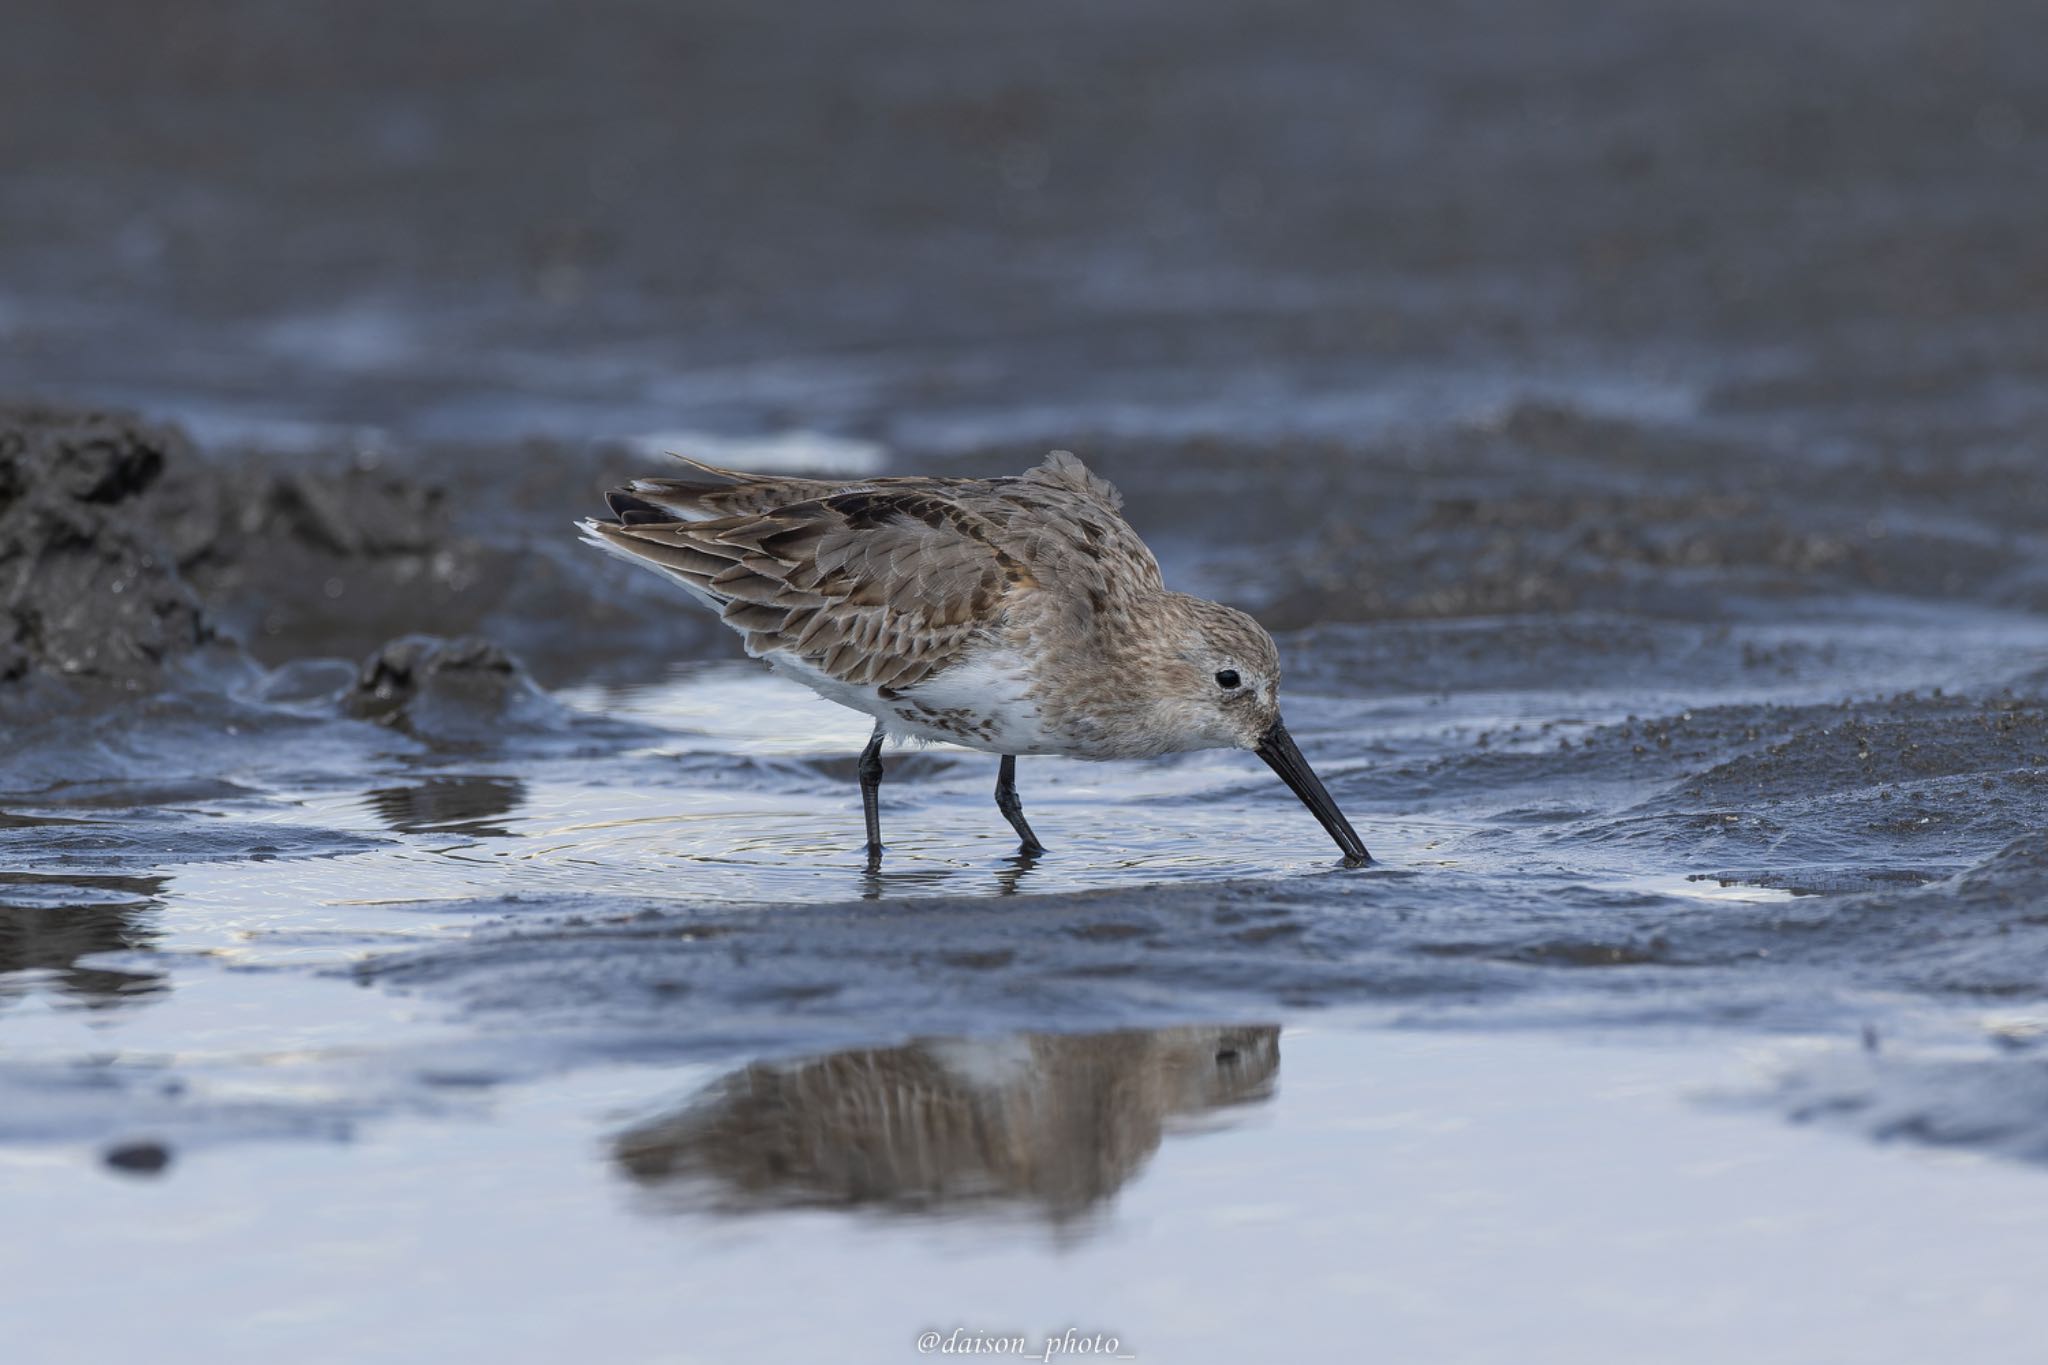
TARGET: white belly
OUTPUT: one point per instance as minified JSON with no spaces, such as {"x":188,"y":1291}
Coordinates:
{"x":983,"y":703}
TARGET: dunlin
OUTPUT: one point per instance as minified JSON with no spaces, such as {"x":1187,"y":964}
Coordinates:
{"x":1012,"y":615}
{"x":1060,"y":1120}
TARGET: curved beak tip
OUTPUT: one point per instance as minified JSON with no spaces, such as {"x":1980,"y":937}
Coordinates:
{"x":1278,"y":749}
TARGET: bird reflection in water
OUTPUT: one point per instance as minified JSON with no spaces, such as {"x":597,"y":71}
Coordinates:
{"x":1056,"y":1123}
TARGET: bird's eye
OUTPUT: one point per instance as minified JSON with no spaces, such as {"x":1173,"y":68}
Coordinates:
{"x":1228,"y":679}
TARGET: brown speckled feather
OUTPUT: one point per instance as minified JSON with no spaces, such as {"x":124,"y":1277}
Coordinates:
{"x":885,"y":582}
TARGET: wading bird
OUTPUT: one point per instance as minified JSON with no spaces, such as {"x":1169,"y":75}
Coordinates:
{"x":1016,"y":615}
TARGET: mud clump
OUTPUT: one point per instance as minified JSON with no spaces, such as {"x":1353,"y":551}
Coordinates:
{"x":124,"y":547}
{"x":138,"y":1158}
{"x":88,"y":589}
{"x":465,"y":691}
{"x":329,"y":560}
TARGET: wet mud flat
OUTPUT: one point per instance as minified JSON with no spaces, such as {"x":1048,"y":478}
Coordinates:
{"x":1632,"y":426}
{"x":1765,"y":851}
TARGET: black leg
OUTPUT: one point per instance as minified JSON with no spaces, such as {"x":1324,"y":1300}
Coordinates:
{"x":871,"y":791}
{"x":1011,"y":807}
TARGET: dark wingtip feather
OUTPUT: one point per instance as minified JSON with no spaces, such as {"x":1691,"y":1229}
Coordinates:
{"x":633,"y":510}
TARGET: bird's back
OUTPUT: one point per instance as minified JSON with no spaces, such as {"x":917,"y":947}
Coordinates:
{"x":873,"y":588}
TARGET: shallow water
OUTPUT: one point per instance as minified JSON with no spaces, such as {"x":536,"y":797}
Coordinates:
{"x":1690,"y":945}
{"x":673,"y":868}
{"x":1451,"y":1196}
{"x":1631,"y":424}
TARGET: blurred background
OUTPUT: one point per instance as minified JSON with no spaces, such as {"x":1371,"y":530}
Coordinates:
{"x":1630,"y":417}
{"x":936,"y":225}
{"x":1762,"y":272}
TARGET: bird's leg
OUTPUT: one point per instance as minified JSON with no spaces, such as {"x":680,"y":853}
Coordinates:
{"x":871,"y":792}
{"x":1011,"y":807}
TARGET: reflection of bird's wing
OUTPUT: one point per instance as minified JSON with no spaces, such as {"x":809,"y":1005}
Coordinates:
{"x":882,"y":583}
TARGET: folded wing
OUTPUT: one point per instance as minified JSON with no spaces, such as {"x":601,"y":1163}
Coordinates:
{"x":872,"y":585}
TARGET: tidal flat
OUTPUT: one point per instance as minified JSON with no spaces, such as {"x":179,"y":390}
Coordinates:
{"x":421,"y":937}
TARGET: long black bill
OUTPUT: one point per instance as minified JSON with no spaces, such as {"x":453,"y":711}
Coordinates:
{"x":1276,"y":746}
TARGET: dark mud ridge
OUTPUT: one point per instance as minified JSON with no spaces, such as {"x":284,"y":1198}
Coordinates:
{"x":92,"y":585}
{"x":127,"y":556}
{"x":124,"y":553}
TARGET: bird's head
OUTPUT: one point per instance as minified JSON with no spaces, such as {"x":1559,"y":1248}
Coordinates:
{"x":1215,"y":684}
{"x":1216,"y":681}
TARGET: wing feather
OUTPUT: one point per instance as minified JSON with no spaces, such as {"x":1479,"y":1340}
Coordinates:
{"x":885,"y":582}
{"x":858,"y":584}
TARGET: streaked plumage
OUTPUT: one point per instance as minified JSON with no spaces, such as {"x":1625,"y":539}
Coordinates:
{"x":1016,"y":615}
{"x":1060,"y":1121}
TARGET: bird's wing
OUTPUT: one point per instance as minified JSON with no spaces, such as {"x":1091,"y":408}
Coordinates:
{"x":1065,"y":525}
{"x":875,"y":586}
{"x":716,"y":492}
{"x":883,"y":582}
